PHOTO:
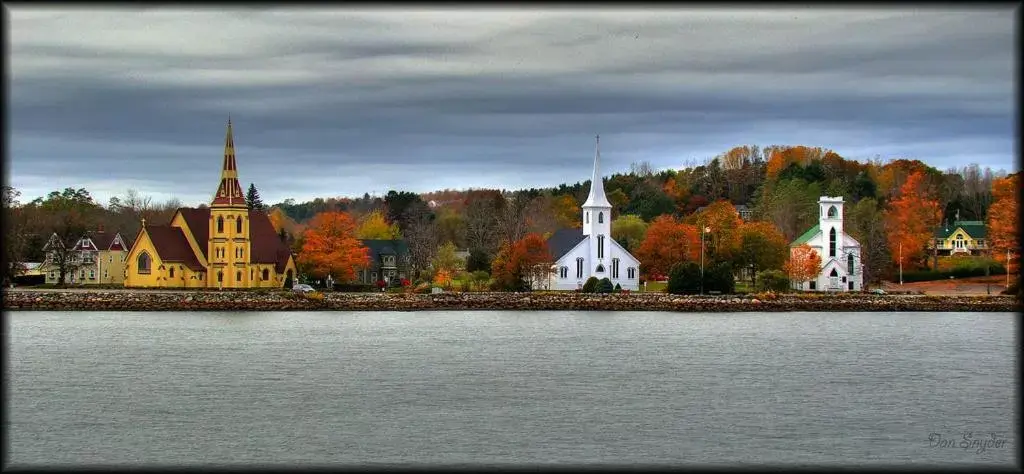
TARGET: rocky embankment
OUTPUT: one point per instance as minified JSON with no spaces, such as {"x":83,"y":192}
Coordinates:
{"x":123,"y":300}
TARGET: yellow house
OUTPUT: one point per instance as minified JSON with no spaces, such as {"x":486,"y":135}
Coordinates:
{"x":223,"y":246}
{"x":963,"y":237}
{"x":96,"y":259}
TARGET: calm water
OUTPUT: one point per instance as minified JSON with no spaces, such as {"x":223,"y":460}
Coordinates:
{"x":510,"y":387}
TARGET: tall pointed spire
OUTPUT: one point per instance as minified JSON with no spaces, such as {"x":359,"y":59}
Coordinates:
{"x":597,"y":197}
{"x":229,"y":193}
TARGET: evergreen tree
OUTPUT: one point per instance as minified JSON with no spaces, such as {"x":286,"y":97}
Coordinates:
{"x":252,"y":199}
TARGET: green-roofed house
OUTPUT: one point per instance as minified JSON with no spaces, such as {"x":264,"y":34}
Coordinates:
{"x":961,"y":238}
{"x":841,"y":267}
{"x":389,"y":261}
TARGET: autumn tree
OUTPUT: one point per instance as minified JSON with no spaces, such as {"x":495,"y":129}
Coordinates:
{"x":616,"y":197}
{"x":762,"y":247}
{"x":447,"y":262}
{"x":804,"y":264}
{"x":865,"y":222}
{"x":451,"y":227}
{"x":629,"y":231}
{"x":566,"y":211}
{"x":666,"y":243}
{"x":375,"y":226}
{"x":723,"y":241}
{"x":482,"y":222}
{"x":1003,"y":218}
{"x":421,"y":236}
{"x":911,"y":220}
{"x":330,"y":247}
{"x":253,"y":200}
{"x":521,"y":264}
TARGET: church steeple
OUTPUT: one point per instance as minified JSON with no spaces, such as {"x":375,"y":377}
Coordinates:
{"x":597,"y":197}
{"x":229,"y":193}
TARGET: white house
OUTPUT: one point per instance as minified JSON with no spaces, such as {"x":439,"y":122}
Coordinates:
{"x":590,"y":251}
{"x":841,"y":267}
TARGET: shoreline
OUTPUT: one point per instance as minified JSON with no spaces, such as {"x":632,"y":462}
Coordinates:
{"x":169,"y":300}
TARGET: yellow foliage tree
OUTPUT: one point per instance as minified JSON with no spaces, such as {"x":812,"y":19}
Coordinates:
{"x":375,"y":226}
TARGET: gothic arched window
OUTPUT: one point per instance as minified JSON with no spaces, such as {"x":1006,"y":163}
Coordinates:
{"x":849,"y":264}
{"x":833,"y":212}
{"x":579,"y":267}
{"x":266,"y":274}
{"x":599,"y":269}
{"x":238,"y":225}
{"x":238,"y":276}
{"x":220,"y":224}
{"x":145,"y":262}
{"x":600,"y":218}
{"x":615,"y":268}
{"x":171,"y":270}
{"x":832,"y":242}
{"x":587,"y":217}
{"x":600,"y":246}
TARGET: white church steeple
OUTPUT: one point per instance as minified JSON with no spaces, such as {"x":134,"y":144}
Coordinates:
{"x":597,"y":210}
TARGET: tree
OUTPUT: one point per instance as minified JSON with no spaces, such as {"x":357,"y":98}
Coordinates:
{"x":447,"y":261}
{"x":666,"y":243}
{"x":684,"y":278}
{"x":15,"y":235}
{"x":804,"y":264}
{"x":398,"y":205}
{"x":865,"y":222}
{"x":482,"y":232}
{"x":762,"y":247}
{"x":604,"y":285}
{"x":520,"y":264}
{"x":566,"y":211}
{"x":451,"y":227}
{"x":617,"y":198}
{"x":252,"y":199}
{"x":478,"y":261}
{"x":724,"y":239}
{"x":590,"y":285}
{"x":330,"y":247}
{"x":1002,"y":219}
{"x":911,"y":220}
{"x":375,"y":226}
{"x":629,"y":231}
{"x":70,"y":214}
{"x":719,"y":277}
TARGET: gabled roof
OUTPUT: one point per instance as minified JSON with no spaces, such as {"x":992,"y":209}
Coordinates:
{"x":975,"y":229}
{"x":198,"y":220}
{"x":563,"y":240}
{"x":172,"y":246}
{"x":803,"y":239}
{"x":265,"y":243}
{"x":378,"y":247}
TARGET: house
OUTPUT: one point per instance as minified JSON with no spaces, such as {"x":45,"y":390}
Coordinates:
{"x":97,"y":258}
{"x":225,"y":245}
{"x":389,"y":261}
{"x":590,"y":251}
{"x":742,"y":210}
{"x":841,"y":267}
{"x":961,"y":238}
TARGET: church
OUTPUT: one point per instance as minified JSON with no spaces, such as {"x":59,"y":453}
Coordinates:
{"x":841,"y":268}
{"x":225,"y":245}
{"x":590,"y":251}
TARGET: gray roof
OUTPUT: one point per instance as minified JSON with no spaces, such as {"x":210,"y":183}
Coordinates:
{"x":380,"y":247}
{"x":562,"y":241}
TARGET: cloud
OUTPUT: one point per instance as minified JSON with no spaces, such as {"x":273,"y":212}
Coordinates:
{"x":342,"y":102}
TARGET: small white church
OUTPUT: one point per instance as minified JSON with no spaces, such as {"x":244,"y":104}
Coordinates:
{"x":590,"y":251}
{"x":841,"y":267}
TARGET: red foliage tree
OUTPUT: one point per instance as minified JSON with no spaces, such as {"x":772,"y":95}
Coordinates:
{"x":330,"y":246}
{"x":911,"y":221}
{"x":667,"y":243}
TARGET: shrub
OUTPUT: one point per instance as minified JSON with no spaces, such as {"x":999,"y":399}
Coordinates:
{"x":719,"y":278}
{"x":478,"y":260}
{"x":604,"y":285}
{"x":590,"y":285}
{"x":288,"y":283}
{"x":618,"y":288}
{"x":773,"y":280}
{"x":684,"y":278}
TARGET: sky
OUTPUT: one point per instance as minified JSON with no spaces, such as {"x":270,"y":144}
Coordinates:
{"x":341,"y":102}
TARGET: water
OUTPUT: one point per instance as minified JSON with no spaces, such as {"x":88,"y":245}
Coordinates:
{"x":510,"y":387}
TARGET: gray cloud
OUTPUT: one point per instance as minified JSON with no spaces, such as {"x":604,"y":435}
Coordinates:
{"x":343,"y":102}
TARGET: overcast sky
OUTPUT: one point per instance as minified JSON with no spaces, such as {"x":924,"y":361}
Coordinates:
{"x":341,"y":102}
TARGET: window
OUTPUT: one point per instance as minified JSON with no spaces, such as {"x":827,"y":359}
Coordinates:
{"x":105,"y":274}
{"x":238,"y":276}
{"x":600,"y":218}
{"x":144,"y":262}
{"x":172,"y":272}
{"x":220,"y":224}
{"x":83,"y":274}
{"x":599,"y":269}
{"x":832,"y":242}
{"x":579,"y":267}
{"x":587,"y":217}
{"x":833,"y":212}
{"x":631,"y":273}
{"x":615,"y":268}
{"x":563,"y":272}
{"x":92,"y":274}
{"x":252,"y":274}
{"x":238,"y":225}
{"x":849,"y":264}
{"x":600,"y":246}
{"x":266,"y":274}
{"x":220,"y":277}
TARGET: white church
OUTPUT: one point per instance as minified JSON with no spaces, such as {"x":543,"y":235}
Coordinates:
{"x":841,"y":267}
{"x":590,"y":251}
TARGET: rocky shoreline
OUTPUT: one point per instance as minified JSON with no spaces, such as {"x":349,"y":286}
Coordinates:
{"x":100,"y":300}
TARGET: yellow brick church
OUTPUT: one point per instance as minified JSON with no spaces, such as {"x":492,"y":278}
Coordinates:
{"x":223,"y":246}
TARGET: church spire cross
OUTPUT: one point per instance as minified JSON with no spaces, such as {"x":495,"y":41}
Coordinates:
{"x":229,"y":192}
{"x":597,"y":197}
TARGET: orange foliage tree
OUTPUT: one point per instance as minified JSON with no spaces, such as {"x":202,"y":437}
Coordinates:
{"x":763,"y":247}
{"x":911,"y":221}
{"x":566,"y":211}
{"x":1002,"y":220}
{"x":519,"y":264}
{"x":330,"y":246}
{"x":780,"y":158}
{"x":723,"y":241}
{"x":804,"y":264}
{"x":667,"y":243}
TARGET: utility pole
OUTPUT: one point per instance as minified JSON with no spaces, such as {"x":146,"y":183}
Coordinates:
{"x":703,"y":231}
{"x":901,"y":263}
{"x":1007,"y":267}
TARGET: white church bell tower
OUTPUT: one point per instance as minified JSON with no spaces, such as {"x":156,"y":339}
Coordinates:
{"x":597,"y":220}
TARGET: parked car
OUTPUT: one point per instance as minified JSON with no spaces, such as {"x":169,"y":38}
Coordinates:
{"x":878,"y":291}
{"x":303,"y":288}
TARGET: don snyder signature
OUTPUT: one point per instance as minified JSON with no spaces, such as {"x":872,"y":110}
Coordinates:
{"x":968,"y":441}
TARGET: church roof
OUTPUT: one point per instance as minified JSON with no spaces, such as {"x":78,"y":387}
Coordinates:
{"x":806,"y":236}
{"x":198,"y":220}
{"x":266,"y":246}
{"x":563,"y":240}
{"x":597,"y":198}
{"x":378,"y":247}
{"x":172,"y":246}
